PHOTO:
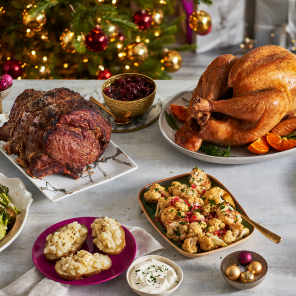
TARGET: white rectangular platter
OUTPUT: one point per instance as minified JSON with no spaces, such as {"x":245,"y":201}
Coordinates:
{"x":112,"y":164}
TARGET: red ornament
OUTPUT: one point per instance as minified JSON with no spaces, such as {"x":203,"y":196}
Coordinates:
{"x":105,"y":74}
{"x":120,"y":36}
{"x":96,"y":40}
{"x":13,"y":68}
{"x":206,"y":32}
{"x":143,"y":19}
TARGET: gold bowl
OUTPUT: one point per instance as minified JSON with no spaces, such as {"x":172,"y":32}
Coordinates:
{"x":128,"y":108}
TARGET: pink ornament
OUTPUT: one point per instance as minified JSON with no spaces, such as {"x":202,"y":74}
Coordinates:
{"x":7,"y":78}
{"x":244,"y":258}
{"x":143,"y":19}
{"x":120,"y":36}
{"x":3,"y":84}
{"x":96,"y":40}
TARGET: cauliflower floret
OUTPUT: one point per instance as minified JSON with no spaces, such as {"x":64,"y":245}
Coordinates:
{"x":228,"y":237}
{"x":169,"y":214}
{"x":195,"y":228}
{"x":214,"y":196}
{"x":174,"y":201}
{"x":199,"y":181}
{"x":190,"y":245}
{"x":177,"y":231}
{"x":207,"y":209}
{"x":192,"y":197}
{"x":210,"y":242}
{"x":239,"y":231}
{"x":215,"y":225}
{"x":175,"y":185}
{"x":228,"y":215}
{"x":155,"y":193}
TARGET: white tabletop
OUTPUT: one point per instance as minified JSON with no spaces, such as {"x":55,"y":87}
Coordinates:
{"x":265,"y":190}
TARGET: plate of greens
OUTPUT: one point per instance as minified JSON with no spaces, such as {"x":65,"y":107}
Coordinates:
{"x":168,"y":124}
{"x":15,"y":202}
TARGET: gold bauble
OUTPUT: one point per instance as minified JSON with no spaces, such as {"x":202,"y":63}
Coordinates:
{"x":34,"y":23}
{"x":68,"y":40}
{"x":233,"y":272}
{"x":171,"y":60}
{"x":255,"y":267}
{"x":247,"y":277}
{"x":157,"y":16}
{"x":200,"y":22}
{"x":137,"y":52}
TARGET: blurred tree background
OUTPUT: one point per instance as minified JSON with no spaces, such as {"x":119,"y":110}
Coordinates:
{"x":89,"y":39}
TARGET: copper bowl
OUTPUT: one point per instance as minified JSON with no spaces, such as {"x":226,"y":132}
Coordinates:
{"x":131,"y":108}
{"x":232,"y":259}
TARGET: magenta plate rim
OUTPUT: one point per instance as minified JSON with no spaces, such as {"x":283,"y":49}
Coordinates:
{"x":120,"y":262}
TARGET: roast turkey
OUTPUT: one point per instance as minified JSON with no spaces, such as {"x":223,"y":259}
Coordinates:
{"x":55,"y":131}
{"x":237,"y":101}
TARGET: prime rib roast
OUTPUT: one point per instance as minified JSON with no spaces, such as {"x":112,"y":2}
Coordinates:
{"x":55,"y":131}
{"x":238,"y":100}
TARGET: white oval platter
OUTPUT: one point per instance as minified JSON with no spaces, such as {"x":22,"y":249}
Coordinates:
{"x":240,"y":154}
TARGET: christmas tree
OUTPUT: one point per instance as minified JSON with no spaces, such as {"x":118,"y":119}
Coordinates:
{"x":89,"y":39}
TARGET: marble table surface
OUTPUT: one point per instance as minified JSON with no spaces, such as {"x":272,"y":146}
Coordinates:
{"x":265,"y":190}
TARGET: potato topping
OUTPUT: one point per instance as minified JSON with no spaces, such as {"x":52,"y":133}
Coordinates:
{"x":106,"y":233}
{"x":63,"y":240}
{"x":84,"y":262}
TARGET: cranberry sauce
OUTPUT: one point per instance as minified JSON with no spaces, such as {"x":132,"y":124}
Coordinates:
{"x":129,"y":89}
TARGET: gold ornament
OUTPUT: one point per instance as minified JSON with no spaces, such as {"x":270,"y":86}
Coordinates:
{"x":157,"y":16}
{"x":233,"y":272}
{"x":200,"y":22}
{"x":247,"y":277}
{"x":171,"y":60}
{"x":68,"y":40}
{"x":137,"y":52}
{"x":255,"y":267}
{"x":34,"y":23}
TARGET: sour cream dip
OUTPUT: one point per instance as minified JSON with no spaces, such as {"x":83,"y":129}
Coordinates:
{"x":153,"y":276}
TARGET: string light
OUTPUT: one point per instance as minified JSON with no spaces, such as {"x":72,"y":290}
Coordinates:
{"x":138,"y":39}
{"x":8,"y":58}
{"x":85,"y":60}
{"x":272,"y":35}
{"x":162,"y":68}
{"x":157,"y":33}
{"x":36,"y":67}
{"x":33,"y":52}
{"x":127,"y":67}
{"x":147,"y":40}
{"x":136,"y":64}
{"x":42,"y":69}
{"x":19,"y":78}
{"x":65,"y":65}
{"x":44,"y":59}
{"x":101,"y":67}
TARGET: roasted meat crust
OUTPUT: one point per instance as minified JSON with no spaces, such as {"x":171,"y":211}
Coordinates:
{"x":55,"y":132}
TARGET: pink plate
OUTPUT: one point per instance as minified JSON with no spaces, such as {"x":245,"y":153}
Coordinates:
{"x":120,"y":262}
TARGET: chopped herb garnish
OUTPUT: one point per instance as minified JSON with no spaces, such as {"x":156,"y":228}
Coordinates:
{"x":156,"y":189}
{"x":171,"y":121}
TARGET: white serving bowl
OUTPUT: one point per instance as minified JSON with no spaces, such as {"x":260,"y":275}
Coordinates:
{"x":22,"y":198}
{"x":159,"y":258}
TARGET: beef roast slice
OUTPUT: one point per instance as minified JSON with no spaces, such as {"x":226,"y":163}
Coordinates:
{"x":55,"y":132}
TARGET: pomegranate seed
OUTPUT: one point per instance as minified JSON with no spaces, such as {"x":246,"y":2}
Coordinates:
{"x":193,"y":186}
{"x":204,"y":191}
{"x":177,"y":198}
{"x":162,"y":195}
{"x":194,"y":217}
{"x":161,"y":223}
